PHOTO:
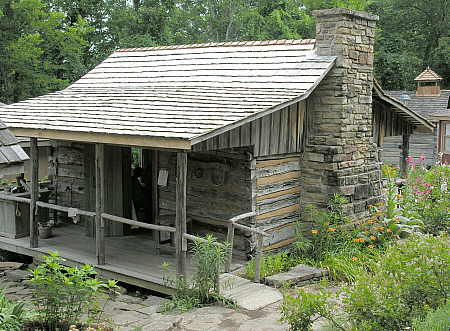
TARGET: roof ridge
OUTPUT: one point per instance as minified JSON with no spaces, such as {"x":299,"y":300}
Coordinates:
{"x":224,"y":44}
{"x":428,"y":75}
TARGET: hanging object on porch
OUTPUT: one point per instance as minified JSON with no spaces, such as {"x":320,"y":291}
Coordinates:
{"x":163,"y":175}
{"x":73,"y":214}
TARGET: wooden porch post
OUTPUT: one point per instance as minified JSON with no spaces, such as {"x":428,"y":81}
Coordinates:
{"x":99,"y":203}
{"x":34,"y":192}
{"x":180,"y":223}
{"x":405,"y":150}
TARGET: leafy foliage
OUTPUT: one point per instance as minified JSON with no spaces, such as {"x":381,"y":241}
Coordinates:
{"x":12,"y":315}
{"x":410,"y":278}
{"x":39,"y":53}
{"x":63,"y":294}
{"x":46,"y":44}
{"x":300,"y":311}
{"x":437,"y":320}
{"x":426,"y":196}
{"x":209,"y":257}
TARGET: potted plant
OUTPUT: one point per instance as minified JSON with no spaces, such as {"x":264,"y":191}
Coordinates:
{"x":45,"y":230}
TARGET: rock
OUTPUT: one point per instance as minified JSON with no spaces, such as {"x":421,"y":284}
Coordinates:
{"x":121,"y":290}
{"x":246,"y":294}
{"x":129,"y":299}
{"x":301,"y":274}
{"x":148,"y":310}
{"x":10,"y":265}
{"x":154,"y":300}
{"x":127,"y":317}
{"x":16,"y":275}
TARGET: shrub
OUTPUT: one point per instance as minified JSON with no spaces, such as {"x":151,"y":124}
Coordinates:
{"x":426,"y":196}
{"x":209,"y":259}
{"x":410,"y":278}
{"x":300,"y":311}
{"x":437,"y":320}
{"x":329,"y":233}
{"x":63,"y":294}
{"x":12,"y":315}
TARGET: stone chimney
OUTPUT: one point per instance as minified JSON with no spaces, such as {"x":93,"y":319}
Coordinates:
{"x":340,"y":156}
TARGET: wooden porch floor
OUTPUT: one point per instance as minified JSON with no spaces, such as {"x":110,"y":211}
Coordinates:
{"x":131,"y":259}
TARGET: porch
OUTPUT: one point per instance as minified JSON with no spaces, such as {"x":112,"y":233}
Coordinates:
{"x":133,"y":259}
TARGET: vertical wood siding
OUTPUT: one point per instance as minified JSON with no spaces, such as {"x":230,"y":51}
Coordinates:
{"x":279,"y":133}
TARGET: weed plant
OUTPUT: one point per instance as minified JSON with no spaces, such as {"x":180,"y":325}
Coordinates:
{"x":12,"y":314}
{"x":438,"y":320}
{"x":62,"y":295}
{"x":203,"y":288}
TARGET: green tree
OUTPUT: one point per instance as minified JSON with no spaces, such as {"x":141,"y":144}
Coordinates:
{"x":39,"y":53}
{"x":412,"y":34}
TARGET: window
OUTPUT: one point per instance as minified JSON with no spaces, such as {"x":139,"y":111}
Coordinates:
{"x":447,"y":137}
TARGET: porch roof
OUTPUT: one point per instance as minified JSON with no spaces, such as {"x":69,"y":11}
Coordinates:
{"x":405,"y":112}
{"x":174,"y":96}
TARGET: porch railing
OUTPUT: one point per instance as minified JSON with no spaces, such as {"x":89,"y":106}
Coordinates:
{"x":231,"y":224}
{"x":10,"y":197}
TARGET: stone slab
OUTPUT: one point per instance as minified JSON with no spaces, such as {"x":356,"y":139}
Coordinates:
{"x":246,"y":294}
{"x":16,"y":275}
{"x":296,"y":275}
{"x":10,"y":265}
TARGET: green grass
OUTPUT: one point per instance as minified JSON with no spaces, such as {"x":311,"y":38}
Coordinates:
{"x":438,"y":320}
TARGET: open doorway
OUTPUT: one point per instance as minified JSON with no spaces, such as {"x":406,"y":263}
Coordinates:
{"x":143,"y":185}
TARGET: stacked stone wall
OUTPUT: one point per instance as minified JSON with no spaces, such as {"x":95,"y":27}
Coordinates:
{"x":340,"y":156}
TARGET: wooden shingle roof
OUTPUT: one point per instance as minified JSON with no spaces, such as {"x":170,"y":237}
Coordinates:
{"x":423,"y":105}
{"x":183,"y":94}
{"x":11,"y":154}
{"x":402,"y":109}
{"x":428,"y":75}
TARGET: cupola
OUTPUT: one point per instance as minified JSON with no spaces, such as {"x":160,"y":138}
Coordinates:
{"x":428,"y":83}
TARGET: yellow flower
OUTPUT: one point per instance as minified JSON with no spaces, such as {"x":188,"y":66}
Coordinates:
{"x":354,"y":258}
{"x":371,"y":246}
{"x":399,"y":196}
{"x":379,"y":213}
{"x":370,"y":206}
{"x":358,"y":240}
{"x":331,"y":229}
{"x":396,"y":219}
{"x":314,"y":231}
{"x":388,"y":230}
{"x":373,"y":238}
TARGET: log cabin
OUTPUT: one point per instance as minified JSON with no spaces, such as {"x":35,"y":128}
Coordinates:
{"x":427,"y":100}
{"x":443,"y":138}
{"x":234,"y":139}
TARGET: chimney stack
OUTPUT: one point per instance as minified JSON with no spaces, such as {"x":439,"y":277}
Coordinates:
{"x":340,"y":156}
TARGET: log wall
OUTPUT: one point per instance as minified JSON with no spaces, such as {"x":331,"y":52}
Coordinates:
{"x":277,"y":188}
{"x":69,"y":161}
{"x":218,"y":188}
